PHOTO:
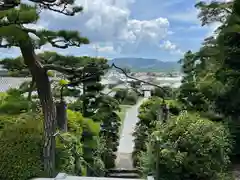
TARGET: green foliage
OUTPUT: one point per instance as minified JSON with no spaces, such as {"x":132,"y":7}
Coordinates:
{"x":87,"y":132}
{"x":188,"y":147}
{"x":75,"y":122}
{"x":110,"y":127}
{"x":76,"y":105}
{"x":8,"y":104}
{"x":175,"y":107}
{"x":26,"y":147}
{"x":214,"y":11}
{"x":131,"y":98}
{"x":2,"y":97}
{"x":21,"y":142}
{"x":13,"y":32}
{"x":68,"y":154}
{"x":21,"y":151}
{"x":211,"y":83}
{"x":165,"y":92}
{"x":125,"y":96}
{"x":148,"y":115}
{"x":120,"y":94}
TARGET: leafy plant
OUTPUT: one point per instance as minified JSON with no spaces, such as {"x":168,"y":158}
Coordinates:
{"x":188,"y":147}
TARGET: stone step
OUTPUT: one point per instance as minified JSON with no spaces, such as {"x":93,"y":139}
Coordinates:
{"x":124,"y":175}
{"x":63,"y":176}
{"x":119,"y":170}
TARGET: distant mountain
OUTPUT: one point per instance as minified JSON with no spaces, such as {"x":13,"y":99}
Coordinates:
{"x":146,"y":65}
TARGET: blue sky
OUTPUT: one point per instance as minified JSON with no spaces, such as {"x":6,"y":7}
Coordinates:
{"x":161,"y":29}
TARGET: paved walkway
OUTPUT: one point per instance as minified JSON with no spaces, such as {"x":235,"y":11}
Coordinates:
{"x":126,"y":145}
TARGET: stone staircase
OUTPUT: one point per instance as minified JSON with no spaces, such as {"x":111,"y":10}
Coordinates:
{"x":123,"y":173}
{"x":113,"y":174}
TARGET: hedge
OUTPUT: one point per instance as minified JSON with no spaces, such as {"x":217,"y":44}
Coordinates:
{"x":188,"y":147}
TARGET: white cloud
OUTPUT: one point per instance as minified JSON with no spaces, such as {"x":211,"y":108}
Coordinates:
{"x":104,"y":21}
{"x":171,"y":47}
{"x":108,"y":23}
{"x":167,"y":45}
{"x":107,"y":48}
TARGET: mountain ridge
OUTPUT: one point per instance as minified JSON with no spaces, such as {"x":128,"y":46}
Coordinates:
{"x":146,"y":64}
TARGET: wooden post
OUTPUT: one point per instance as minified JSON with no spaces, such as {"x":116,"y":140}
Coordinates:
{"x":61,"y":108}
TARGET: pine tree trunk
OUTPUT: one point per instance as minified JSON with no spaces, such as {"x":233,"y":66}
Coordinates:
{"x":43,"y":85}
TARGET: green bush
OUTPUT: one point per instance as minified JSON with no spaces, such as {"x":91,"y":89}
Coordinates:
{"x":121,"y":94}
{"x":131,"y":98}
{"x":21,"y":149}
{"x":188,"y":147}
{"x":14,"y":103}
{"x":87,"y":132}
{"x":165,"y":92}
{"x":110,"y":132}
{"x":76,"y":106}
{"x":175,"y":107}
{"x":2,"y":97}
{"x":148,"y":118}
{"x":14,"y":107}
{"x":8,"y":120}
{"x":66,"y":158}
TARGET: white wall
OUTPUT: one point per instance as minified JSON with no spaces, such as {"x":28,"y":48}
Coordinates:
{"x":147,"y":94}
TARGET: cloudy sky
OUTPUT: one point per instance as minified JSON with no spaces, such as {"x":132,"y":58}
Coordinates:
{"x":161,"y":29}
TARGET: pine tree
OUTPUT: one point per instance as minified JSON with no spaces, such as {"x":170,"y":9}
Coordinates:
{"x":14,"y":33}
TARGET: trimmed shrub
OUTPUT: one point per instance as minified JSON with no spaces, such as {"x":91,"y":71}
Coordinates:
{"x":120,"y":94}
{"x":131,"y":98}
{"x":110,"y":132}
{"x":165,"y":92}
{"x":22,"y":145}
{"x":188,"y":147}
{"x":87,"y":132}
{"x":21,"y":151}
{"x":15,"y":103}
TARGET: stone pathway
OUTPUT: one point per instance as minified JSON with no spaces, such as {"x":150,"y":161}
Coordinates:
{"x":126,"y":145}
{"x":236,"y":172}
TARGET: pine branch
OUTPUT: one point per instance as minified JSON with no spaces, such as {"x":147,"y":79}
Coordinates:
{"x":61,"y":39}
{"x":60,"y":6}
{"x":62,"y":10}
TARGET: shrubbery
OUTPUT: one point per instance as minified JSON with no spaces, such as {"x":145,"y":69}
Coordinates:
{"x":110,"y":132}
{"x":120,"y":94}
{"x":21,"y":151}
{"x":14,"y":103}
{"x":131,"y":98}
{"x":148,"y":115}
{"x":188,"y":147}
{"x":21,"y":146}
{"x":165,"y":92}
{"x":87,"y":132}
{"x":127,"y":97}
